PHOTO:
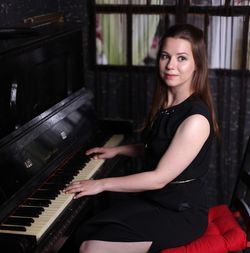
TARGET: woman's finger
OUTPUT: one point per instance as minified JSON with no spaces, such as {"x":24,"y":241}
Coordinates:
{"x":93,"y":150}
{"x":79,"y":195}
{"x":74,"y":186}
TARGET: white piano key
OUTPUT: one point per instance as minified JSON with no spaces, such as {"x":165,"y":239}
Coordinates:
{"x":50,"y":213}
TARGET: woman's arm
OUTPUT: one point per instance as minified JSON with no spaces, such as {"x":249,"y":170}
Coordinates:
{"x":186,"y":144}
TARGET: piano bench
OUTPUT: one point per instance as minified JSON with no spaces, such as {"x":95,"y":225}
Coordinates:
{"x":223,"y":234}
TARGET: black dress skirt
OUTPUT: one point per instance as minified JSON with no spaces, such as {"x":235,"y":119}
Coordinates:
{"x":169,"y":217}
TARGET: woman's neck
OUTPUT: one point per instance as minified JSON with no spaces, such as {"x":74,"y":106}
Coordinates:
{"x":176,"y":98}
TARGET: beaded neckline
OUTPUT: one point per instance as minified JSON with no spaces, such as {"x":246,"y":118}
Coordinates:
{"x":172,"y":109}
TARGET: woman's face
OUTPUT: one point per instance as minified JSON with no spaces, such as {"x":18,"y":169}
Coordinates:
{"x":176,"y":63}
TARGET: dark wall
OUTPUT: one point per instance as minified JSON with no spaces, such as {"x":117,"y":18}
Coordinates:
{"x":13,"y":12}
{"x":79,"y":11}
{"x":128,"y":95}
{"x":37,"y":68}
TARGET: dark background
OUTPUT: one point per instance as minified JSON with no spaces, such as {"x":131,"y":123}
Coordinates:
{"x":127,"y":94}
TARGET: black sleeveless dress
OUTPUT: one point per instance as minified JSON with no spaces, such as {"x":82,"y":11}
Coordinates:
{"x":172,"y":216}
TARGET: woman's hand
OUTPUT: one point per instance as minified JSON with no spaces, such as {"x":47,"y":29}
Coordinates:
{"x":83,"y":188}
{"x":102,"y":152}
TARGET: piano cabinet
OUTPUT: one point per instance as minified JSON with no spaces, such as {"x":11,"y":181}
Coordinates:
{"x":37,"y":161}
{"x":38,"y":69}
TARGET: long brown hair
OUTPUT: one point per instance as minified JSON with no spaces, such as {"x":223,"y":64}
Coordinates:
{"x":200,"y":82}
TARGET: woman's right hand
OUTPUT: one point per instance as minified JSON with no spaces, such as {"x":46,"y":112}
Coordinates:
{"x":102,"y":152}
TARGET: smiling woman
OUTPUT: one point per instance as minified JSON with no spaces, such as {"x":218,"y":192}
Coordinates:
{"x":170,"y":206}
{"x":177,"y":66}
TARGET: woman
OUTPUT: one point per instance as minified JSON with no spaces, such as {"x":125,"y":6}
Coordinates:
{"x":170,"y":209}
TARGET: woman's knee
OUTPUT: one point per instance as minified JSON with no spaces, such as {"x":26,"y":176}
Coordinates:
{"x":84,"y":248}
{"x":91,"y":247}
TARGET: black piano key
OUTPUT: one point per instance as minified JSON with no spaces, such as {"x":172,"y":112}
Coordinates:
{"x":69,"y":171}
{"x":12,"y":228}
{"x":60,"y":179}
{"x":28,"y":211}
{"x":19,"y":221}
{"x":79,"y":159}
{"x":63,"y":175}
{"x":45,"y":194}
{"x":37,"y":202}
{"x":75,"y":165}
{"x":53,"y":188}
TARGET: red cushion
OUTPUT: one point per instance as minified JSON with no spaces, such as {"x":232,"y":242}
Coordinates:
{"x":223,"y":234}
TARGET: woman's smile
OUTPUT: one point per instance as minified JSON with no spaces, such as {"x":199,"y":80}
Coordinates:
{"x":176,"y":63}
{"x":170,"y":76}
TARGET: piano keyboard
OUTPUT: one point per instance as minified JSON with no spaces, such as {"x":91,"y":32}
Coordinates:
{"x":38,"y":222}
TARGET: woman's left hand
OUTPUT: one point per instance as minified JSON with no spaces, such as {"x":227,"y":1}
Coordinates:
{"x":83,"y":188}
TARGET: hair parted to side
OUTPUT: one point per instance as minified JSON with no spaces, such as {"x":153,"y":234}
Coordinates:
{"x":200,"y":84}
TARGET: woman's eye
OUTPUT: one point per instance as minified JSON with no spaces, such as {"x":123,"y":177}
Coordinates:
{"x":181,"y":58}
{"x":164,"y":56}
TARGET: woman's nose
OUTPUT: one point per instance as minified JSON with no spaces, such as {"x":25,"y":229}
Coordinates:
{"x":171,"y":63}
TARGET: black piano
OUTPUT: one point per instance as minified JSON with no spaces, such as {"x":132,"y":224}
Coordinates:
{"x":39,"y":159}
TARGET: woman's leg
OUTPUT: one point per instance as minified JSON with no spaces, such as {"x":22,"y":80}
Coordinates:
{"x":95,"y":246}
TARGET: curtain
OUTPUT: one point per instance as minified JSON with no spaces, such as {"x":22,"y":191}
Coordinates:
{"x":144,"y":37}
{"x":111,"y":39}
{"x":225,"y":42}
{"x":231,"y":94}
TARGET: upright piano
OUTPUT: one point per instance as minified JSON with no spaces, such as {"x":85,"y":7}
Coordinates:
{"x":39,"y":159}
